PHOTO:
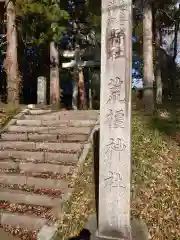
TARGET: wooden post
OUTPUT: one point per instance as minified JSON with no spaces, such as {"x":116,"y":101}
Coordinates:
{"x":115,"y":120}
{"x":54,"y":76}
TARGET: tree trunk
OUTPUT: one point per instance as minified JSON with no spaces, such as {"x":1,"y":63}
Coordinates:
{"x":90,"y":89}
{"x":148,"y":59}
{"x":54,"y":76}
{"x":75,"y":80}
{"x":158,"y":76}
{"x":82,"y":92}
{"x":11,"y":62}
{"x":75,"y":91}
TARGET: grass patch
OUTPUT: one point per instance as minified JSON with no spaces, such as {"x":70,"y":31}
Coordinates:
{"x":7,"y":111}
{"x":155,"y":183}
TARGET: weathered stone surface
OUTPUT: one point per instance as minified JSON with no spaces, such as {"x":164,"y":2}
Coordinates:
{"x":8,"y":164}
{"x":17,"y":145}
{"x":21,"y":155}
{"x":58,"y":123}
{"x":42,"y":137}
{"x":43,"y":167}
{"x":57,"y":137}
{"x":66,"y":115}
{"x":50,"y":157}
{"x":61,"y":147}
{"x":55,"y":130}
{"x":27,"y":167}
{"x":15,"y":196}
{"x":64,"y":147}
{"x":74,"y":137}
{"x":49,"y":142}
{"x":41,"y":90}
{"x":14,"y":136}
{"x":47,"y":232}
{"x":71,"y":130}
{"x":40,"y":111}
{"x":25,"y":122}
{"x":22,"y":221}
{"x":139,"y":230}
{"x":32,"y":181}
{"x":42,"y":117}
{"x":21,"y":129}
{"x":115,"y":120}
{"x":66,"y":158}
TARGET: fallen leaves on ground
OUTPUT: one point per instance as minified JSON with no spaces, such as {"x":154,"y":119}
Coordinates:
{"x":81,"y":204}
{"x":155,"y":184}
{"x":156,"y":180}
{"x":6,"y":112}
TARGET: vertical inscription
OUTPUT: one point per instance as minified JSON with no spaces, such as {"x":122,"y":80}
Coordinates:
{"x":115,"y":43}
{"x":113,"y":180}
{"x":115,"y":116}
{"x":115,"y":119}
{"x":115,"y":86}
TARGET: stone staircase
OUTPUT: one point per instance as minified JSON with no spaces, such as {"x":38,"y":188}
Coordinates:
{"x":40,"y":151}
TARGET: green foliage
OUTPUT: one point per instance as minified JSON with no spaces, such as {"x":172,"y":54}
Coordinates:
{"x":40,"y":21}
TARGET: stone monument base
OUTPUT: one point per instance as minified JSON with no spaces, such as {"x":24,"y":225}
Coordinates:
{"x":139,"y":230}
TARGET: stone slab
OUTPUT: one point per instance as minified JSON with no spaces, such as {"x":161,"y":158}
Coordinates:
{"x":36,"y":146}
{"x":55,"y":130}
{"x":46,"y":157}
{"x":21,"y":197}
{"x":64,"y":158}
{"x":76,"y":123}
{"x":33,"y":181}
{"x":19,"y":220}
{"x":22,"y":155}
{"x":41,"y":90}
{"x":42,"y":137}
{"x":63,"y":147}
{"x":27,"y":167}
{"x":18,"y":145}
{"x":40,"y":111}
{"x":66,"y":115}
{"x":8,"y":136}
{"x":14,"y":136}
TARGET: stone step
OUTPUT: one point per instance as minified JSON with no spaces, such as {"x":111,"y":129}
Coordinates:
{"x":43,"y":157}
{"x":21,"y":197}
{"x":55,"y":130}
{"x":54,"y":117}
{"x":60,"y":123}
{"x":26,"y":167}
{"x":40,"y":111}
{"x":12,"y":136}
{"x":22,"y":221}
{"x":46,"y":146}
{"x":63,"y":112}
{"x":67,"y":115}
{"x":38,"y":183}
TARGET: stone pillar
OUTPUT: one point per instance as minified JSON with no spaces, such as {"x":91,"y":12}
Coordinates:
{"x":41,"y":90}
{"x":115,"y":121}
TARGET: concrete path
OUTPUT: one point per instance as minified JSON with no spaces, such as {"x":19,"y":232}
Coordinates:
{"x":40,"y":151}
